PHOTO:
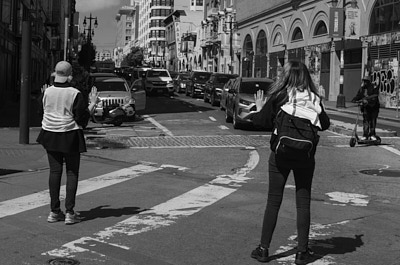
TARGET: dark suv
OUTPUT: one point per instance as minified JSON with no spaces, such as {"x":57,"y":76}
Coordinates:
{"x":196,"y":83}
{"x":214,"y":86}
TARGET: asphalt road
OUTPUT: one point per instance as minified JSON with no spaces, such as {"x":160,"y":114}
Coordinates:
{"x":181,"y":186}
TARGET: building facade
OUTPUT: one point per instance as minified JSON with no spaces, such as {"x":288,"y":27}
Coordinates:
{"x":50,"y":20}
{"x":274,"y":32}
{"x":182,"y":34}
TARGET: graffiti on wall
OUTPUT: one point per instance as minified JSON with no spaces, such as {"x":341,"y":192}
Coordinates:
{"x":385,"y":77}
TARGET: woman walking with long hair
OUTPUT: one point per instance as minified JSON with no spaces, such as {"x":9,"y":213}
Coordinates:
{"x":294,"y":93}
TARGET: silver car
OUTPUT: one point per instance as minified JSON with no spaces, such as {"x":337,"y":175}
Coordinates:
{"x":240,"y":99}
{"x":115,"y":91}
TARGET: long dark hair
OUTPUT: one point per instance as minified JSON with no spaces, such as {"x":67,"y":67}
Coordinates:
{"x":295,"y":75}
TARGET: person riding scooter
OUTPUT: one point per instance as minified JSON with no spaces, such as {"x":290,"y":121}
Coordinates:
{"x":367,"y":97}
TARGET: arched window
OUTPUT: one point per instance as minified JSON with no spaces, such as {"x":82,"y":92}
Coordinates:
{"x":297,"y":35}
{"x":385,"y":16}
{"x":320,"y":29}
{"x":278,"y":39}
{"x":261,"y":61}
{"x":248,"y":57}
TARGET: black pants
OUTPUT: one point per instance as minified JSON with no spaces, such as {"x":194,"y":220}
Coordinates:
{"x":278,"y":174}
{"x":369,"y":121}
{"x":72,"y":163}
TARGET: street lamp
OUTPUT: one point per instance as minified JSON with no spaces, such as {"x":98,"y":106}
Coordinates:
{"x":229,"y":26}
{"x":90,"y":31}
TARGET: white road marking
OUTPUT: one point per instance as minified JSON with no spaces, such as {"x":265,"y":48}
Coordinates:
{"x":167,"y":213}
{"x":391,"y":149}
{"x":349,"y":198}
{"x":212,"y":118}
{"x":28,"y":202}
{"x":162,"y":128}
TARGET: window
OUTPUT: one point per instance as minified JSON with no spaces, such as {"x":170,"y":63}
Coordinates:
{"x":297,"y":35}
{"x":385,"y":16}
{"x":278,"y":39}
{"x":320,"y":29}
{"x":6,"y":12}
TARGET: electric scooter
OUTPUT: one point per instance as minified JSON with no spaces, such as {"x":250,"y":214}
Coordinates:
{"x":355,"y":139}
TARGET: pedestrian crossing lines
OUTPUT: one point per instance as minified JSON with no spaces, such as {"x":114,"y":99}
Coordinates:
{"x":32,"y":201}
{"x":161,"y":215}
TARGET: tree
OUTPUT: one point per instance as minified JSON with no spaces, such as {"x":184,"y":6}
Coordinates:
{"x":134,"y":58}
{"x":87,"y":56}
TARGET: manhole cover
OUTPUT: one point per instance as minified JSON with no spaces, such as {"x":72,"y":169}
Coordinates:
{"x":382,"y":172}
{"x":4,"y":171}
{"x":63,"y":261}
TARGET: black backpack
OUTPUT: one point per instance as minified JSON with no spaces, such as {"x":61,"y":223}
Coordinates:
{"x":294,"y":138}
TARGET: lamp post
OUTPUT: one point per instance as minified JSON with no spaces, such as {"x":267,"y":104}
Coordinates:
{"x":230,"y":19}
{"x":90,"y":31}
{"x":341,"y":100}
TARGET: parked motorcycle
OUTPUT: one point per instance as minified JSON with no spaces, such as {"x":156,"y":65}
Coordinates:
{"x":115,"y":114}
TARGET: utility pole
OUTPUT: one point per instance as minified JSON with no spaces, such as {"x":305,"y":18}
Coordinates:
{"x":341,"y":100}
{"x":25,"y":82}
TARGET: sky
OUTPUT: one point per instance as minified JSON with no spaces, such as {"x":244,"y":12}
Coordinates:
{"x":105,"y":11}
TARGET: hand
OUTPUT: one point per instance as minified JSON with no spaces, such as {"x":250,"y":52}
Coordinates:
{"x":365,"y":102}
{"x":44,"y":87}
{"x":94,"y":95}
{"x":259,"y":99}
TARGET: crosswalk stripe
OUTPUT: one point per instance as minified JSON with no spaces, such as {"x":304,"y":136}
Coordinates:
{"x":167,"y":213}
{"x":28,"y":202}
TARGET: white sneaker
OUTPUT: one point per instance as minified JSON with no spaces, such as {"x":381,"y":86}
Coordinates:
{"x":55,"y":217}
{"x":373,"y":138}
{"x":363,"y":138}
{"x":72,"y":218}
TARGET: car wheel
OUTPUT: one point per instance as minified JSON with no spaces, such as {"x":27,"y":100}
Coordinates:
{"x":212,"y":100}
{"x":236,"y":124}
{"x":118,"y":121}
{"x":227,"y":117}
{"x":205,"y":98}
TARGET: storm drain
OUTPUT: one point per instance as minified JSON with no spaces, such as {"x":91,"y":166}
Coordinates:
{"x":382,"y":172}
{"x":198,"y":141}
{"x":63,"y":261}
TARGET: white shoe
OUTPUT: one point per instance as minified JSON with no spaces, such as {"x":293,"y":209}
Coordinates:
{"x":373,"y":138}
{"x":363,"y":138}
{"x":72,"y":218}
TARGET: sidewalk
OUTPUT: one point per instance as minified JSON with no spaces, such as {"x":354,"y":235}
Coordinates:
{"x":352,"y":108}
{"x":32,"y":156}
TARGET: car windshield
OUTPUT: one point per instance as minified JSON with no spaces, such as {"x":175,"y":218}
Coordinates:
{"x":222,"y":78}
{"x":110,"y":86}
{"x":184,"y":77}
{"x":157,"y":73}
{"x":201,"y":76}
{"x":253,"y":86}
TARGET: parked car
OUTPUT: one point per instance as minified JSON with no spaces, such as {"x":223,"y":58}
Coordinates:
{"x":225,"y":91}
{"x":240,"y":99}
{"x":138,"y":72}
{"x":115,"y":91}
{"x":213,"y":87}
{"x":196,"y":83}
{"x":180,"y":82}
{"x":158,"y":81}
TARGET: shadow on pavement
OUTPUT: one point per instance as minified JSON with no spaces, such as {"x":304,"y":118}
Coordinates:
{"x":103,"y":212}
{"x":325,"y":247}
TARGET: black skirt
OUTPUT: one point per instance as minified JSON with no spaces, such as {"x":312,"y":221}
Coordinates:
{"x":64,"y":142}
